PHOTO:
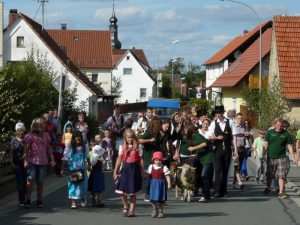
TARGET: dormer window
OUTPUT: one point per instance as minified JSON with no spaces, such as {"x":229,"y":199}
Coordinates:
{"x":20,"y":42}
{"x":128,"y":57}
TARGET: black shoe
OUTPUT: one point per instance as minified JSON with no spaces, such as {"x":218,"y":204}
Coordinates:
{"x":39,"y":204}
{"x":267,"y":191}
{"x":218,"y":195}
{"x":27,"y":204}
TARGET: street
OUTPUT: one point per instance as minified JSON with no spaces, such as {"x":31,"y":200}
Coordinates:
{"x":247,"y":207}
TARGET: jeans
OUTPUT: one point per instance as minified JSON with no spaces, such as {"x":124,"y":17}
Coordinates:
{"x":260,"y":168}
{"x":206,"y":176}
{"x":20,"y":173}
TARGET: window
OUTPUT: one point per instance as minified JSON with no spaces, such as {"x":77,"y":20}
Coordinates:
{"x":127,"y":71}
{"x":128,"y":57}
{"x":20,"y":42}
{"x":143,"y":92}
{"x":95,"y":77}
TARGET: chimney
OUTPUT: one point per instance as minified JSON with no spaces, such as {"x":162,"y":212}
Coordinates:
{"x":63,"y":26}
{"x":13,"y":15}
{"x":245,"y":32}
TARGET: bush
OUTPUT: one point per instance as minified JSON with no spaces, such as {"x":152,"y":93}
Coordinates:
{"x":201,"y":103}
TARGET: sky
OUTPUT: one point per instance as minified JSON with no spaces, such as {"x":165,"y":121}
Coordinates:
{"x":202,"y":26}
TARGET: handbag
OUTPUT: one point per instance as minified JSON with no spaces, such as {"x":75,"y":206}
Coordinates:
{"x":76,"y":176}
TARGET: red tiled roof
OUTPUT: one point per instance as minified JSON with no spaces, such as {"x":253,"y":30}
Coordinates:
{"x":287,"y":35}
{"x":45,"y":37}
{"x":235,"y":44}
{"x":137,"y":53}
{"x":245,"y":63}
{"x":86,"y":48}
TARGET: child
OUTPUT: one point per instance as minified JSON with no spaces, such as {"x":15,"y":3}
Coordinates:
{"x":67,"y":136}
{"x":16,"y":160}
{"x":76,"y":154}
{"x":106,"y":144}
{"x":130,"y":180}
{"x":158,"y":189}
{"x":96,"y":184}
{"x":260,"y":161}
{"x":58,"y":150}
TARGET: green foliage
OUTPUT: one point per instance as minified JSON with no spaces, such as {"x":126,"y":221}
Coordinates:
{"x":11,"y":107}
{"x":166,"y":90}
{"x":116,"y":87}
{"x":201,"y":103}
{"x":30,"y":84}
{"x":269,"y":104}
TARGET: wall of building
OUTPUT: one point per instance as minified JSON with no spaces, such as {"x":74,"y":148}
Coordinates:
{"x":33,"y":43}
{"x":131,"y":84}
{"x":232,"y":98}
{"x":104,"y":77}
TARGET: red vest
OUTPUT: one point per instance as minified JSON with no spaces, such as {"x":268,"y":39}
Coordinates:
{"x":130,"y":155}
{"x":158,"y":174}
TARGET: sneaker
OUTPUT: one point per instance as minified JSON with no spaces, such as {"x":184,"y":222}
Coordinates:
{"x":154,"y":213}
{"x":160,"y":215}
{"x":202,"y":199}
{"x":27,"y":204}
{"x":83,"y":202}
{"x":267,"y":191}
{"x":235,"y":186}
{"x":146,"y":198}
{"x":282,"y":195}
{"x":21,"y":204}
{"x":39,"y":204}
{"x":257,"y":180}
{"x":241,"y":186}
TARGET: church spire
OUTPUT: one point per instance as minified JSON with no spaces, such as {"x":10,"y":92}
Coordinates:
{"x":116,"y":44}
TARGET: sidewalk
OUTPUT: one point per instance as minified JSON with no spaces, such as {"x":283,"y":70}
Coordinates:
{"x":293,"y":179}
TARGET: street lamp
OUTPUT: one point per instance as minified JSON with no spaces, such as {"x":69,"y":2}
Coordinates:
{"x":181,"y":85}
{"x":160,"y":49}
{"x":172,"y":61}
{"x":260,"y":40}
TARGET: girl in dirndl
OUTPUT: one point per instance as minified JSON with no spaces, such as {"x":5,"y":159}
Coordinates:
{"x":130,"y":179}
{"x":160,"y":181}
{"x":76,"y":155}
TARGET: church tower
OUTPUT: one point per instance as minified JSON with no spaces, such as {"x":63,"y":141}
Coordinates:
{"x":113,"y":27}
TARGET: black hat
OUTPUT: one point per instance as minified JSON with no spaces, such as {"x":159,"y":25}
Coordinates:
{"x":219,"y":109}
{"x":201,"y":112}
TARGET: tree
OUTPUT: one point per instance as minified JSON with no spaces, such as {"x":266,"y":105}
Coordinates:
{"x":11,"y":107}
{"x":166,"y":90}
{"x":31,"y":81}
{"x":116,"y":87}
{"x":269,"y":104}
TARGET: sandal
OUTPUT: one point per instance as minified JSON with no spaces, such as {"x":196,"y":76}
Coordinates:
{"x":154,"y":213}
{"x":131,"y":214}
{"x":125,"y":212}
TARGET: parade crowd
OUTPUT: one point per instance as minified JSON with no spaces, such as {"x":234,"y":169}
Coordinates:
{"x":144,"y":155}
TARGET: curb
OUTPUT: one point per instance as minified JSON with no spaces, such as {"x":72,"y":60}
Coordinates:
{"x":293,"y":186}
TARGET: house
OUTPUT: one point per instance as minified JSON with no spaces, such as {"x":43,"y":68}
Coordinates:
{"x":219,"y":62}
{"x":23,"y":35}
{"x":99,"y":56}
{"x":280,"y":60}
{"x":1,"y":35}
{"x":134,"y":71}
{"x":237,"y":74}
{"x":285,"y":59}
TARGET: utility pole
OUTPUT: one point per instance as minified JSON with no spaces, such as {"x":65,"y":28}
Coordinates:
{"x":43,"y":12}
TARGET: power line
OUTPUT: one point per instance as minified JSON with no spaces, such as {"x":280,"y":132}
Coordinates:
{"x":37,"y":11}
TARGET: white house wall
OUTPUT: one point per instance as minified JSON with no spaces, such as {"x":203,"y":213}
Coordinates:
{"x":1,"y":34}
{"x":32,"y":41}
{"x":104,"y":77}
{"x":131,"y":84}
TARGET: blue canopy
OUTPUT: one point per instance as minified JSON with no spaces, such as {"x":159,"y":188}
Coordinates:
{"x":163,"y":103}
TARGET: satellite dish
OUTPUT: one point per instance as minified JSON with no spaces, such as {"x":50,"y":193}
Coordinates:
{"x":237,"y":54}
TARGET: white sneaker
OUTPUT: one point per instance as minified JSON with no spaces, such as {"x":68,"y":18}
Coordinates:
{"x":202,"y":199}
{"x":241,"y":185}
{"x":83,"y":202}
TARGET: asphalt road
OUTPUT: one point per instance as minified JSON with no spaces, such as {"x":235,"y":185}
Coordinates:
{"x":247,"y":207}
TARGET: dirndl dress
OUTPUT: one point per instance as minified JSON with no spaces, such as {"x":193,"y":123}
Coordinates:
{"x":158,"y":187}
{"x":130,"y":180}
{"x":96,"y":181}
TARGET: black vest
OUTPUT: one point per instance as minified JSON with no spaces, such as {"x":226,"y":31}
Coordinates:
{"x":227,"y":134}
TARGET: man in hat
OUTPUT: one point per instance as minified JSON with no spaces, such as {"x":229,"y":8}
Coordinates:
{"x":201,"y":115}
{"x":220,"y":132}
